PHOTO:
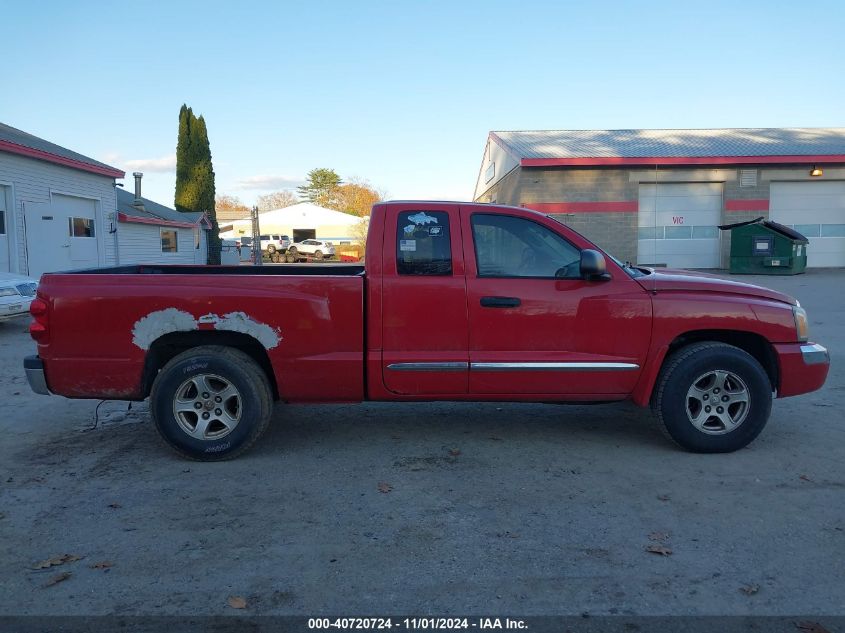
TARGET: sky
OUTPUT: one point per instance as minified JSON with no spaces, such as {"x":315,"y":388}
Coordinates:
{"x":402,"y":93}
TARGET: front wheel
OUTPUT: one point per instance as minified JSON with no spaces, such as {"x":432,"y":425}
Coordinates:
{"x":211,"y":403}
{"x":713,"y":398}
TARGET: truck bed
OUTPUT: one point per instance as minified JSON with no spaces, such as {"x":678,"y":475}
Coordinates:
{"x":346,"y":270}
{"x":106,"y":324}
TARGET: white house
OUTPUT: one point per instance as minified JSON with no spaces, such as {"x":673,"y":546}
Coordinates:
{"x":57,"y":207}
{"x":301,"y":222}
{"x":60,"y":210}
{"x":149,"y":232}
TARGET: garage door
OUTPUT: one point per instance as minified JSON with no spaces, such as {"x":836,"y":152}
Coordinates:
{"x":816,"y":209}
{"x":61,"y":235}
{"x":678,"y":224}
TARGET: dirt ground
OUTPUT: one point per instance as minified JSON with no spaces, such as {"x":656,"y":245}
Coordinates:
{"x":432,"y":508}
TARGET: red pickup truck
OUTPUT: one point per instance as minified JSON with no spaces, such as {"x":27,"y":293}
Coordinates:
{"x":455,"y":302}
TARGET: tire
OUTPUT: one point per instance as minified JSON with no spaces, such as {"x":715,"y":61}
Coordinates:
{"x":233,"y":427}
{"x":318,"y":254}
{"x":696,"y":377}
{"x":271,"y":249}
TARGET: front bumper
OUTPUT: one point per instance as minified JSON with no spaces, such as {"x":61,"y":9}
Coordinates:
{"x":803,"y":367}
{"x":33,"y":367}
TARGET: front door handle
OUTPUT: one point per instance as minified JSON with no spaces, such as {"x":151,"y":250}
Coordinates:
{"x":500,"y":302}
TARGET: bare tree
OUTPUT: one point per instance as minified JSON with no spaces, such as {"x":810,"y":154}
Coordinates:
{"x":276,"y":200}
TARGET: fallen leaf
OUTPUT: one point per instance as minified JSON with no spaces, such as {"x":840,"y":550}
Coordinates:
{"x":55,"y":580}
{"x":455,"y":452}
{"x":811,"y":627}
{"x":663,"y":497}
{"x":750,"y":589}
{"x":115,"y":506}
{"x":658,"y":536}
{"x":384,"y":487}
{"x":103,"y":564}
{"x":57,"y":560}
{"x":659,"y":549}
{"x":237,"y":602}
{"x":805,"y":478}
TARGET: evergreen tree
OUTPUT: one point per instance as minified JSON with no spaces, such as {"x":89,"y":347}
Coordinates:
{"x":320,"y":187}
{"x":195,"y":175}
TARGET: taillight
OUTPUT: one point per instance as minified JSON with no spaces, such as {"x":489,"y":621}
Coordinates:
{"x":38,"y":307}
{"x":38,"y":328}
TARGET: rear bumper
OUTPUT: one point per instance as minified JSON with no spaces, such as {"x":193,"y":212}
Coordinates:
{"x":34,"y":369}
{"x":802,"y":368}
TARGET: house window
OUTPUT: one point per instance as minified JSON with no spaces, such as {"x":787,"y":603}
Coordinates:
{"x":168,"y":241}
{"x":80,"y":227}
{"x":423,"y":245}
{"x":197,"y":237}
{"x":2,"y":222}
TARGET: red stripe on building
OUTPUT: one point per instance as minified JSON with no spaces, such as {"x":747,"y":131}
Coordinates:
{"x":680,"y":160}
{"x":131,"y":218}
{"x":622,"y":206}
{"x":747,"y":205}
{"x":29,"y":152}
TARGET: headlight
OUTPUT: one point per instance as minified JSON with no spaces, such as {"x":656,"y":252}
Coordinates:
{"x":801,"y":327}
{"x":8,"y":292}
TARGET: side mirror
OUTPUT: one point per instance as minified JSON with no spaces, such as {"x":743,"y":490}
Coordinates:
{"x":593,"y":266}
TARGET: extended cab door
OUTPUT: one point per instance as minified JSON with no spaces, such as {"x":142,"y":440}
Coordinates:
{"x":424,"y":311}
{"x":537,"y":327}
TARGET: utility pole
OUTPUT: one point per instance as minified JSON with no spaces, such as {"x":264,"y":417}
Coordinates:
{"x":256,"y":237}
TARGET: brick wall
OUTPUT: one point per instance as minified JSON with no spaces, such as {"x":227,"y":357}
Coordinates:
{"x":617,"y":232}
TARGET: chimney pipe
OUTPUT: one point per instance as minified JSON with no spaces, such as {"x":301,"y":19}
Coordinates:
{"x":138,"y":175}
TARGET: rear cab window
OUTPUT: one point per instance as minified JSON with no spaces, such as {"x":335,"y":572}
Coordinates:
{"x":423,"y":243}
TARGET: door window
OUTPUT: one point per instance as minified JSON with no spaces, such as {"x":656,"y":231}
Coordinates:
{"x":507,"y":246}
{"x":80,"y":227}
{"x":423,"y":244}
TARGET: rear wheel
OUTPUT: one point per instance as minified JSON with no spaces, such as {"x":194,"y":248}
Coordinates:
{"x":211,"y":403}
{"x":713,"y":398}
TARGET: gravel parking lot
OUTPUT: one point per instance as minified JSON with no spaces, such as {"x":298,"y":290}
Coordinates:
{"x":444,"y":508}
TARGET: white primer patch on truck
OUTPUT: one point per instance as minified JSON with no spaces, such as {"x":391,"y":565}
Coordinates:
{"x":241,"y":322}
{"x":156,"y":324}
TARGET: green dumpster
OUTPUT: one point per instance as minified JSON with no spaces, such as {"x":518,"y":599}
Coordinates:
{"x":763,"y":247}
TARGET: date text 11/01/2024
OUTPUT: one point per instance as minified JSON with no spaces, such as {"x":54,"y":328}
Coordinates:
{"x":424,"y":623}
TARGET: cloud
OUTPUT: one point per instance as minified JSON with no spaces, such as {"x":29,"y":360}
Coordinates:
{"x":162,"y":165}
{"x":269,"y":181}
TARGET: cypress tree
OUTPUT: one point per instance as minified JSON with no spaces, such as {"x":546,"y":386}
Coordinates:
{"x":195,"y":175}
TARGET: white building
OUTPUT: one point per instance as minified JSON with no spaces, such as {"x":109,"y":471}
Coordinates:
{"x":301,"y":222}
{"x":57,"y":207}
{"x":60,"y":210}
{"x":150,"y":233}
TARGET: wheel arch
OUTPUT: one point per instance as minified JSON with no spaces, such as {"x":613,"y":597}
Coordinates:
{"x":752,"y":343}
{"x":172,"y":344}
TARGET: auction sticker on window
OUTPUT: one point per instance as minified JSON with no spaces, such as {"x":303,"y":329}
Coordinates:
{"x":407,"y":245}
